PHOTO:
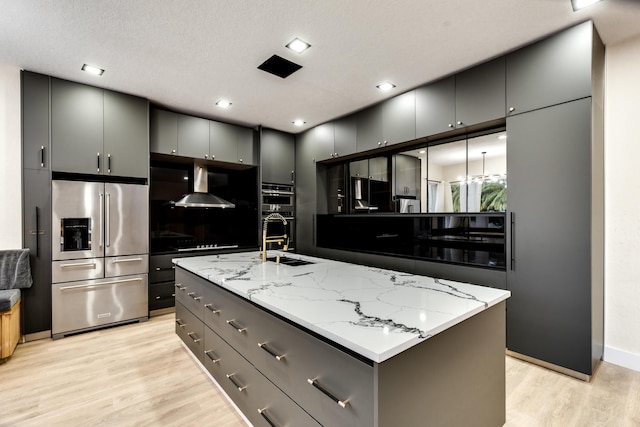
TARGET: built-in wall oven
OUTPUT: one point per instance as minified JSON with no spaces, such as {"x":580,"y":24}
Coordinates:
{"x":100,"y":254}
{"x":279,"y":198}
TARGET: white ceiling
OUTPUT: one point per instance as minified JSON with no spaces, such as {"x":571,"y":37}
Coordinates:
{"x":187,"y":54}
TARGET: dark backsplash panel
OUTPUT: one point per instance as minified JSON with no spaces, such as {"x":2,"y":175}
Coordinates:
{"x":468,"y":239}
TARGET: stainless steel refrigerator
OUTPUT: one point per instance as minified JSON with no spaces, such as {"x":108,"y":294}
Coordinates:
{"x":100,"y":239}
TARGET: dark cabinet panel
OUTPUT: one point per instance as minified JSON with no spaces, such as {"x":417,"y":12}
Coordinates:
{"x":436,"y":107}
{"x":277,"y":157}
{"x":164,"y":132}
{"x":549,"y":273}
{"x":36,"y":300}
{"x":306,"y":203}
{"x":126,"y":135}
{"x":399,"y":118}
{"x":480,"y":93}
{"x":345,"y":136}
{"x":35,"y":121}
{"x":552,"y":71}
{"x":193,"y":136}
{"x":77,"y":127}
{"x":246,"y":146}
{"x":369,"y":129}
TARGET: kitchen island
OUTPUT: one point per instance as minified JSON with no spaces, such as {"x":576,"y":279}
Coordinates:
{"x":311,"y":341}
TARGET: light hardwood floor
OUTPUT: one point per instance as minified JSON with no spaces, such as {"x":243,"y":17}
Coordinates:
{"x":140,"y":375}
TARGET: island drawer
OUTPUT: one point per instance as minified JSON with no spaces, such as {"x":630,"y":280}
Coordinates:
{"x":262,"y":402}
{"x":190,"y":330}
{"x":189,"y":291}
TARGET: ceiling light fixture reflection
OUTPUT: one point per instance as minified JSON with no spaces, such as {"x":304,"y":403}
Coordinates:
{"x":223,"y":103}
{"x":92,"y":70}
{"x":581,"y":4}
{"x":298,"y":45}
{"x":385,"y":86}
{"x":298,"y":122}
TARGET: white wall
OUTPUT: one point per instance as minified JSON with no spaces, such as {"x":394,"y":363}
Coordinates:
{"x":622,"y":204}
{"x":10,"y":159}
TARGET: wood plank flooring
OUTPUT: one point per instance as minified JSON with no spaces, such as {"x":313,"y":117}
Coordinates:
{"x":140,"y":375}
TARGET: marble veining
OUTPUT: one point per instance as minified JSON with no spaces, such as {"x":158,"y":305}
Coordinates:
{"x":374,"y":312}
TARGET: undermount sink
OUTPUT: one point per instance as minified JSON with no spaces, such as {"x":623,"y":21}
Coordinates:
{"x":289,"y":261}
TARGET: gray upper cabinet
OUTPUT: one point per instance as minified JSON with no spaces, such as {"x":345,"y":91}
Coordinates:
{"x":345,"y":136}
{"x":193,"y":136}
{"x":399,"y":118}
{"x":277,"y":157}
{"x":126,"y":135}
{"x":223,"y":142}
{"x":35,"y":121}
{"x":164,"y":132}
{"x":369,"y":129}
{"x":324,"y":140}
{"x":480,"y":93}
{"x":246,"y":146}
{"x":552,"y":71}
{"x":77,"y":128}
{"x":436,"y":107}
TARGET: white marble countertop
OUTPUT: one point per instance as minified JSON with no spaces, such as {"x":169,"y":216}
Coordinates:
{"x":374,"y":312}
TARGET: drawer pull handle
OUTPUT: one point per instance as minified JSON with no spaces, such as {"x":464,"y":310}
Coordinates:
{"x":238,"y":386}
{"x":193,"y":336}
{"x":266,"y":418}
{"x":212,"y":309}
{"x":179,"y":286}
{"x":212,"y":356}
{"x":263,"y":345}
{"x":165,"y":268}
{"x":116,"y":261}
{"x":196,"y":298}
{"x":235,"y":326}
{"x":180,"y":323}
{"x":314,"y":382}
{"x":79,"y":264}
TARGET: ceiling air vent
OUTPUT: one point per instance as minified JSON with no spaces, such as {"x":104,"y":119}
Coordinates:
{"x":279,"y":66}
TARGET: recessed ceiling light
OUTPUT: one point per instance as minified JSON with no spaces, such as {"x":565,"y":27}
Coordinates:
{"x":223,"y":103}
{"x":93,"y":70}
{"x":386,"y":86}
{"x":580,"y":4}
{"x":298,"y":45}
{"x":298,"y":122}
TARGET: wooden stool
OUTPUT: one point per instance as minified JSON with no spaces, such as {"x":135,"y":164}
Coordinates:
{"x":9,"y":330}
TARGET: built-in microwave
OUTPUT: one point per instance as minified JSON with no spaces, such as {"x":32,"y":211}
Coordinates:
{"x":277,"y":198}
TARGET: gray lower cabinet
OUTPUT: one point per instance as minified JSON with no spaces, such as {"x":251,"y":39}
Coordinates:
{"x":556,"y":295}
{"x":480,"y":93}
{"x":552,"y":71}
{"x":277,"y":157}
{"x":436,"y":107}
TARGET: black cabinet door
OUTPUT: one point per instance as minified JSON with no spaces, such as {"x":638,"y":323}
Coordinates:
{"x":480,"y":93}
{"x":163,"y":132}
{"x":35,"y":121}
{"x":436,"y":107}
{"x":77,"y":113}
{"x":552,"y":71}
{"x":549,"y":245}
{"x":277,"y":156}
{"x":126,"y":135}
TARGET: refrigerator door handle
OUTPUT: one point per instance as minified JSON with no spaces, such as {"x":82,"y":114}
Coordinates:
{"x":101,"y":220}
{"x":108,"y":219}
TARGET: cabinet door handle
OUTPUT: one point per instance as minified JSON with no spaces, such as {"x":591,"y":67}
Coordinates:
{"x":180,"y":323}
{"x":194,"y":296}
{"x":450,"y":125}
{"x":292,"y":177}
{"x":513,"y":238}
{"x":233,"y":324}
{"x":109,"y":163}
{"x":98,"y":164}
{"x":235,"y":383}
{"x":262,"y":412}
{"x":512,"y":109}
{"x":42,"y":156}
{"x":101,"y":218}
{"x":459,"y":123}
{"x":165,"y":268}
{"x":212,"y":356}
{"x":107,"y":222}
{"x":181,"y":287}
{"x":212,"y":309}
{"x":278,"y":357}
{"x":341,"y":403}
{"x":193,"y":336}
{"x":37,"y":232}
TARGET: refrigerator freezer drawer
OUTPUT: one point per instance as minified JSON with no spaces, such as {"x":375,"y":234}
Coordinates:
{"x":126,"y":265}
{"x":77,"y":269}
{"x":80,"y":306}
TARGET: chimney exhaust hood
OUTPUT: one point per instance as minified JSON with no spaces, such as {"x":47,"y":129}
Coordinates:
{"x":201,"y":198}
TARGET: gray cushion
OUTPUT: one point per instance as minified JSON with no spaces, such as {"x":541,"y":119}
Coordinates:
{"x":15,"y":271}
{"x":8,"y":298}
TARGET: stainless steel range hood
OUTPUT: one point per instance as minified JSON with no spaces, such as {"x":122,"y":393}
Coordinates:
{"x":201,"y":198}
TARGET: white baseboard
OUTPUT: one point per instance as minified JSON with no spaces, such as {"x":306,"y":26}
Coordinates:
{"x":622,"y":358}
